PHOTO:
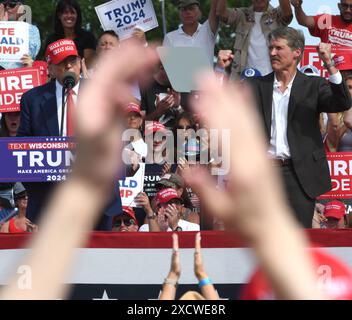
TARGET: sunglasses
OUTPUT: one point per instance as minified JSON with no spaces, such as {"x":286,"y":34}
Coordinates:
{"x":345,"y":6}
{"x":126,"y":222}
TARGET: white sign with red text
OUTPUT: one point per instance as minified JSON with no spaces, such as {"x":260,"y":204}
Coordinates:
{"x":340,"y":165}
{"x":342,"y":57}
{"x":132,"y":186}
{"x":14,"y":83}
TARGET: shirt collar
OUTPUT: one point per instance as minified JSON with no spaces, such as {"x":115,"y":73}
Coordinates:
{"x":75,"y":88}
{"x":180,"y":30}
{"x":277,"y":83}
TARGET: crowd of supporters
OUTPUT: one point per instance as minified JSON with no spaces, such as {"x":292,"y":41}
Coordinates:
{"x":161,"y":134}
{"x":163,"y":124}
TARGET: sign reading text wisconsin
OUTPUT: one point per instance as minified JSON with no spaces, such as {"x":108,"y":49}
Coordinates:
{"x":35,"y":159}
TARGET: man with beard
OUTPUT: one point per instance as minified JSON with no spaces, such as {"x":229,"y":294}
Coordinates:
{"x":336,"y":30}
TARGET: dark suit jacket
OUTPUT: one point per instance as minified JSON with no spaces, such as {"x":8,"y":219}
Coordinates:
{"x":309,"y":97}
{"x":39,"y":112}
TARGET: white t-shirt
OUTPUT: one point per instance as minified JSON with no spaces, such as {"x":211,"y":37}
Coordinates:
{"x":185,"y":225}
{"x":258,"y":52}
{"x":202,"y":38}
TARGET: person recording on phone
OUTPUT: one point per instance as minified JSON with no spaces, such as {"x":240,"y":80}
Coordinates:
{"x":160,"y":101}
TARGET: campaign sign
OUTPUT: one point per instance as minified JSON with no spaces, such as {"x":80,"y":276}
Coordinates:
{"x":131,"y":186}
{"x":14,"y":83}
{"x":14,"y":40}
{"x":123,"y":16}
{"x":35,"y":159}
{"x":43,"y":69}
{"x":340,"y":165}
{"x":342,"y":57}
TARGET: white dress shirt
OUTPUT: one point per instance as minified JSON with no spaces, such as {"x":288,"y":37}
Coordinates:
{"x":59,"y":104}
{"x":279,"y":147}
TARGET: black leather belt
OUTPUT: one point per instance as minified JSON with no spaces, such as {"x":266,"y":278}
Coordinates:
{"x":277,"y":162}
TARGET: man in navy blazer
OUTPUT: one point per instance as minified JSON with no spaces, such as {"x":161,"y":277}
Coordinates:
{"x":41,"y":115}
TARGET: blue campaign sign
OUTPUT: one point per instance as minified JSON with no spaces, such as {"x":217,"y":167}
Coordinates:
{"x":36,"y":159}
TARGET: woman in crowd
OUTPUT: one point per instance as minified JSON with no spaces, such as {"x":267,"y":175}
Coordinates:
{"x":9,"y":124}
{"x":19,"y":223}
{"x":68,"y":25}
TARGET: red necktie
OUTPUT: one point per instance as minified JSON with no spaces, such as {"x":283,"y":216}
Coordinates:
{"x":70,"y":112}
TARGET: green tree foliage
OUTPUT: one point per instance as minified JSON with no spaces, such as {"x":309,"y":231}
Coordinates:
{"x":43,"y":16}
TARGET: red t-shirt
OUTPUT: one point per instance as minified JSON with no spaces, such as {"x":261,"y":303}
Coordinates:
{"x":332,"y":29}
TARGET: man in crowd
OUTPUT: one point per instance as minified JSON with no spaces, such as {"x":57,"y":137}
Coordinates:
{"x":168,"y":217}
{"x":252,"y":26}
{"x":334,"y":212}
{"x":126,"y":222}
{"x":330,"y":29}
{"x":289,"y":103}
{"x":159,"y":100}
{"x":191,"y":33}
{"x":336,"y":29}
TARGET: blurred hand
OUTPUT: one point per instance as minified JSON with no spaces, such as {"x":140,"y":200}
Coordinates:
{"x":250,"y":170}
{"x":84,"y":69}
{"x":98,"y":114}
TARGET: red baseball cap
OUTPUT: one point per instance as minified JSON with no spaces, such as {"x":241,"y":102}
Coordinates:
{"x":133,"y":107}
{"x":59,"y":50}
{"x":335,"y":209}
{"x":129,"y":212}
{"x":165,"y":195}
{"x":337,"y":287}
{"x":153,"y":126}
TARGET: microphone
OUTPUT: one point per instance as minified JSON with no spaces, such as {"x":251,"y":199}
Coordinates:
{"x":68,"y":83}
{"x":69,"y":80}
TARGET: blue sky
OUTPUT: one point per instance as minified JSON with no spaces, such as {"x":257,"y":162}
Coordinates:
{"x":313,"y":7}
